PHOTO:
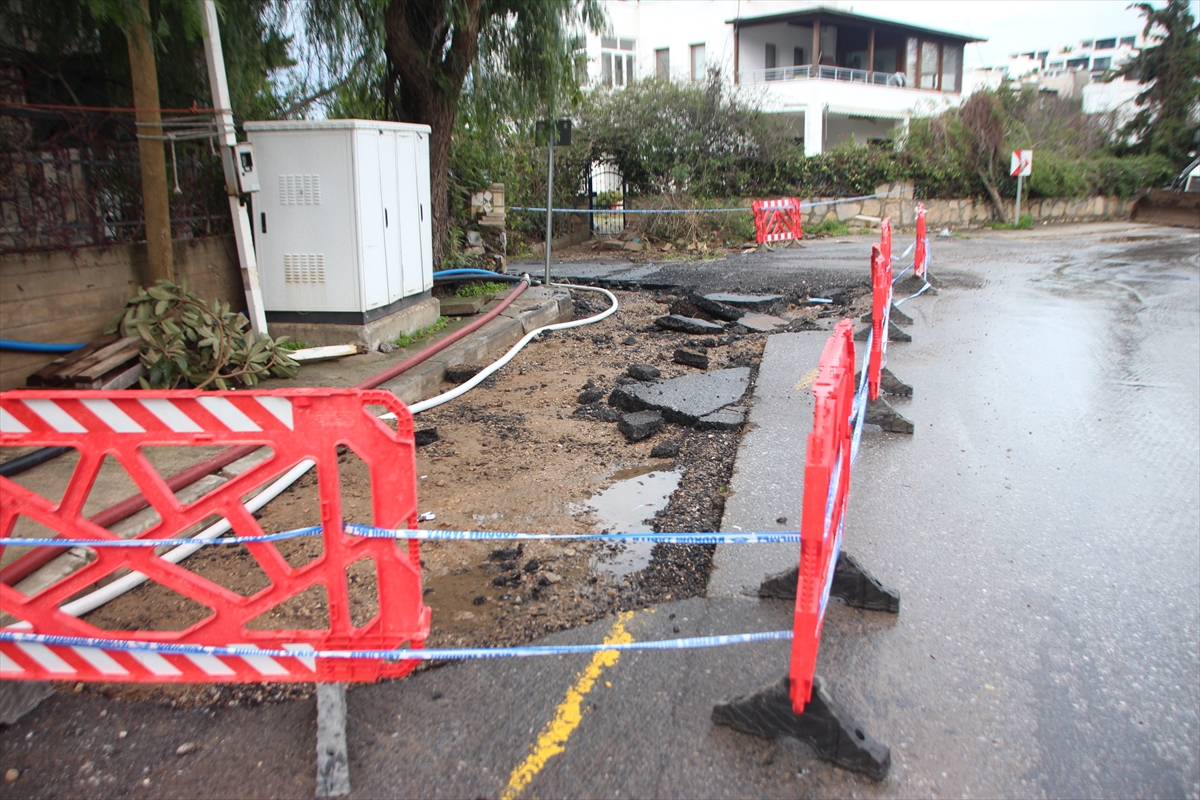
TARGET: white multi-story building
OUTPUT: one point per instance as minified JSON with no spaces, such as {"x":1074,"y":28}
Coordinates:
{"x":836,"y":75}
{"x":1073,"y":70}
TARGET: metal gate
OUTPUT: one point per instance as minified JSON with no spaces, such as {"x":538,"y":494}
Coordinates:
{"x":606,"y":190}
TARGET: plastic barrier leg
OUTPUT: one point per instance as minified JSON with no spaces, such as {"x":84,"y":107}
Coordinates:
{"x":852,"y":583}
{"x":825,"y":726}
{"x":333,"y":762}
{"x":895,"y":315}
{"x":18,"y":698}
{"x":911,"y":283}
{"x":890,"y":384}
{"x":894,"y":333}
{"x":881,"y":413}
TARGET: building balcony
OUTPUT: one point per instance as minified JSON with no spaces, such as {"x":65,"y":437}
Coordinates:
{"x":823,"y":73}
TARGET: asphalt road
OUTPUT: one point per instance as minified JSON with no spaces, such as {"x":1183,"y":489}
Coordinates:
{"x":1042,"y":526}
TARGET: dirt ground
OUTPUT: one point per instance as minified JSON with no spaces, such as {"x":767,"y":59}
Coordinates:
{"x":518,"y":453}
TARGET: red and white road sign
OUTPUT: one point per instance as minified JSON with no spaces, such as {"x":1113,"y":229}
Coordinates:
{"x":1022,"y":163}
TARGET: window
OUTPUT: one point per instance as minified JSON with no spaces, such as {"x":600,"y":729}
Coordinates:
{"x":1128,"y":41}
{"x":1077,"y":63}
{"x":929,"y":65}
{"x":1101,"y":64}
{"x":1042,"y":56}
{"x":1086,"y":43}
{"x":617,"y":62}
{"x":1106,"y":44}
{"x":1056,"y":65}
{"x":698,"y":66}
{"x":798,"y":57}
{"x":950,"y":59}
{"x":769,"y":57}
{"x":579,"y":59}
{"x":662,"y":64}
{"x":910,"y":61}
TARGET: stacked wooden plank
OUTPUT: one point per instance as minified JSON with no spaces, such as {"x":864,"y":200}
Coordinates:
{"x":106,"y":363}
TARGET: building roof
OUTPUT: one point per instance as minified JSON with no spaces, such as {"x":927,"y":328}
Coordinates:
{"x":823,"y":14}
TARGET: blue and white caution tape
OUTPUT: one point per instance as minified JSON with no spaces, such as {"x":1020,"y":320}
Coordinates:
{"x":449,"y":654}
{"x":834,"y":202}
{"x":901,"y":257}
{"x":369,"y":532}
{"x":656,"y":538}
{"x":917,"y":293}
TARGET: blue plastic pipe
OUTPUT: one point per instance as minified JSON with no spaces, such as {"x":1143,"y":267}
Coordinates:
{"x":38,"y":347}
{"x":471,"y":274}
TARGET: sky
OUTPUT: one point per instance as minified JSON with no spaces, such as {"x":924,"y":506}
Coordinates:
{"x":1012,"y":26}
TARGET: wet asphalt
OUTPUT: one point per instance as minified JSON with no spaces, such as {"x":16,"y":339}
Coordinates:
{"x":1042,"y":526}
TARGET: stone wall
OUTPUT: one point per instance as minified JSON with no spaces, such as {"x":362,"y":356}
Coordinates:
{"x":64,"y":296}
{"x":961,"y":213}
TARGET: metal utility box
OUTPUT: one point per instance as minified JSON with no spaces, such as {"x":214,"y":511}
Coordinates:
{"x":342,"y":223}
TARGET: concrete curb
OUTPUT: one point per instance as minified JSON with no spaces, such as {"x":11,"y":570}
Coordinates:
{"x":538,"y":306}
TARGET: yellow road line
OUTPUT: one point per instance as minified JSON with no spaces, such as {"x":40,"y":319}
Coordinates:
{"x":807,"y":379}
{"x":553,"y":738}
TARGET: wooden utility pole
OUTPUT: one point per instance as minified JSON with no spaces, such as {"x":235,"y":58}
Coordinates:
{"x":155,"y":200}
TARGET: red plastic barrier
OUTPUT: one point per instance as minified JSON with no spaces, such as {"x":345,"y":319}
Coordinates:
{"x":777,"y":220}
{"x":885,"y":240}
{"x":826,"y":485}
{"x":881,"y":305}
{"x":297,"y":425}
{"x":921,"y":256}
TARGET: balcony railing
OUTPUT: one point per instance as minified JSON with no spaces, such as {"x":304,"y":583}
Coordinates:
{"x":810,"y":72}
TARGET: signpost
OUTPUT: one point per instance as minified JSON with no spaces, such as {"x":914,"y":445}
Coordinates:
{"x":553,"y":134}
{"x":1021,"y":165}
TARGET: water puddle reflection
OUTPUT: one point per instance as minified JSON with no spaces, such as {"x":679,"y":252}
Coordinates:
{"x":623,"y":508}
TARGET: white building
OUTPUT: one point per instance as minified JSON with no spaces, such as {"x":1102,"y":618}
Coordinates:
{"x":837,"y":75}
{"x":1073,"y":69}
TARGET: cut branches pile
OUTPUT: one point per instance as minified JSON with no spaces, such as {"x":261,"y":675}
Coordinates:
{"x":188,"y":343}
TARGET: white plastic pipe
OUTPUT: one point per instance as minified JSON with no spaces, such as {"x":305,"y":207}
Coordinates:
{"x":90,"y":602}
{"x":461,"y":389}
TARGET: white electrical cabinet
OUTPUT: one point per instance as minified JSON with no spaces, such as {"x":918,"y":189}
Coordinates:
{"x":342,"y":223}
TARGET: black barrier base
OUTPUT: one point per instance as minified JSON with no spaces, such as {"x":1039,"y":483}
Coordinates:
{"x":889,"y":383}
{"x":852,"y":583}
{"x":880,"y":413}
{"x":894,"y":333}
{"x":895,"y":315}
{"x":912,"y":284}
{"x":825,"y":726}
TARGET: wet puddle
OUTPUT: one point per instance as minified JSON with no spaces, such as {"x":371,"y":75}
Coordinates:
{"x":622,"y":508}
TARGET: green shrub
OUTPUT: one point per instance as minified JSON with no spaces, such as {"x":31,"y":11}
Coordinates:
{"x":1055,"y":175}
{"x":477,"y":288}
{"x":406,"y":339}
{"x":831,"y":226}
{"x":1125,"y":176}
{"x":1023,"y":224}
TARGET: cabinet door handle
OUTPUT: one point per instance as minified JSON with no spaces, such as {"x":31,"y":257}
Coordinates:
{"x":421,"y":207}
{"x":385,"y":218}
{"x":263,"y":216}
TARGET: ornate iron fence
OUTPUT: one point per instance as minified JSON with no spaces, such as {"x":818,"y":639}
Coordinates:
{"x":56,"y":197}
